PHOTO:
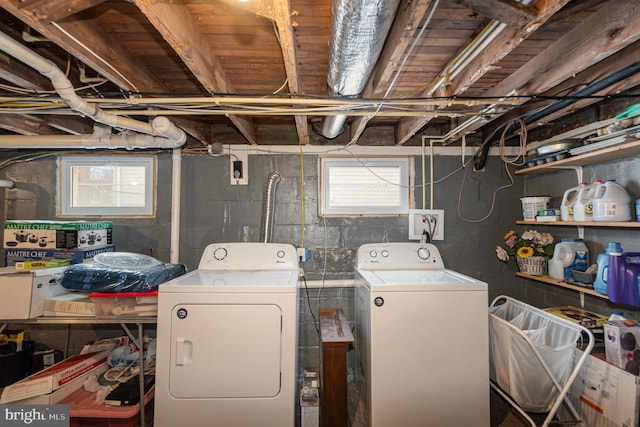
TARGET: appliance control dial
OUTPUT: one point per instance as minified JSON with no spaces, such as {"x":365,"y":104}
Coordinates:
{"x":280,"y":254}
{"x":373,"y":254}
{"x":384,"y":253}
{"x":423,"y":253}
{"x":220,"y":254}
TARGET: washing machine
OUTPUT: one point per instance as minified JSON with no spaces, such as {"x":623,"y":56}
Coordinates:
{"x":421,"y":339}
{"x":227,"y":339}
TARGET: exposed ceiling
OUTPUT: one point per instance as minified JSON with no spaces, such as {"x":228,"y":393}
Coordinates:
{"x":255,"y":71}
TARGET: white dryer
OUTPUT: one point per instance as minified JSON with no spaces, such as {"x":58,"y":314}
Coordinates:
{"x":227,"y":339}
{"x":422,"y":339}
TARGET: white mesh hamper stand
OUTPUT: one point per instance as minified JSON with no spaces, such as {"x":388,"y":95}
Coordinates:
{"x":531,"y":351}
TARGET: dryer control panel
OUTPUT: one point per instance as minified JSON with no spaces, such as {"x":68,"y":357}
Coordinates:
{"x":399,"y":256}
{"x":248,"y":256}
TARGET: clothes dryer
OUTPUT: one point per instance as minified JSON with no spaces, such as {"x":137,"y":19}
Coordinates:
{"x":422,"y":338}
{"x":227,"y":339}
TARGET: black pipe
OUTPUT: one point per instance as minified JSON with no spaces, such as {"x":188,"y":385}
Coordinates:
{"x":480,"y":158}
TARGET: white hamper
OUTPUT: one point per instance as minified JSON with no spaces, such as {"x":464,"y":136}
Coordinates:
{"x":531,"y":355}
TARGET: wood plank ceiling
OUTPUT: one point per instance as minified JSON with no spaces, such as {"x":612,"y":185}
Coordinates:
{"x":255,"y":71}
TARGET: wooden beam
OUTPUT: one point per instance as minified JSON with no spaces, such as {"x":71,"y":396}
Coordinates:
{"x":175,"y":23}
{"x":510,"y":12}
{"x":55,"y":10}
{"x":502,"y":45}
{"x":615,"y":26}
{"x":407,"y":23}
{"x":17,"y":73}
{"x":618,"y":61}
{"x":282,"y":18}
{"x":93,"y":46}
{"x":25,"y":124}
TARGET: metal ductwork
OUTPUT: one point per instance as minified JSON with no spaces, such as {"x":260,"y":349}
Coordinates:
{"x":359,"y":29}
{"x":159,"y":127}
{"x":268,"y":207}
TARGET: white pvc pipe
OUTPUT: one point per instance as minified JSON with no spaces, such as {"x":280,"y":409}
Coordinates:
{"x":174,"y":254}
{"x":65,"y":89}
{"x":85,"y":141}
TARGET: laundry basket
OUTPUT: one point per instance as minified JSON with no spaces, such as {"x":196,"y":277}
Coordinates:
{"x":531,"y":354}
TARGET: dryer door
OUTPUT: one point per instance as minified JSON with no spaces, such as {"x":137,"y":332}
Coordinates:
{"x":225,"y":351}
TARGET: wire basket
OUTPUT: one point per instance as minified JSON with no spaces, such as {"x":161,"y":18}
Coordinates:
{"x":533,"y":266}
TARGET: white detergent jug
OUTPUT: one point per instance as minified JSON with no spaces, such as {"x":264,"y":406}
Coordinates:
{"x":583,"y":208}
{"x":568,"y":254}
{"x":568,"y":201}
{"x":611,"y":202}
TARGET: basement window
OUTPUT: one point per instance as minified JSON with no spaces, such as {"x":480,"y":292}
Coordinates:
{"x":373,"y":186}
{"x":106,"y":186}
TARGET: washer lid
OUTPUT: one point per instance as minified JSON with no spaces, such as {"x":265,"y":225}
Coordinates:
{"x":408,"y":280}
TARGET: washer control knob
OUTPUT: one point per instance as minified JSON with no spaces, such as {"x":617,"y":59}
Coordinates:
{"x":384,"y":253}
{"x":220,"y":254}
{"x":373,"y":254}
{"x":280,"y":254}
{"x":423,"y":253}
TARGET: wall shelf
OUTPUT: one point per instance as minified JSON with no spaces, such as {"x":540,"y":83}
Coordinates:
{"x":617,"y":224}
{"x":616,"y":152}
{"x":550,"y":281}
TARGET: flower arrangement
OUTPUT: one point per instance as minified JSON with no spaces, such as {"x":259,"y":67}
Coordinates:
{"x":531,"y":243}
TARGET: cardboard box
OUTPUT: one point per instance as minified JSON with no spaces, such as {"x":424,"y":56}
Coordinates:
{"x":588,"y":319}
{"x":622,"y":344}
{"x":604,"y":395}
{"x":77,"y":256}
{"x":56,"y":234}
{"x":56,"y":382}
{"x":23,"y":293}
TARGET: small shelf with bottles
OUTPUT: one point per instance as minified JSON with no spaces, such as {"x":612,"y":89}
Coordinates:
{"x":550,"y":281}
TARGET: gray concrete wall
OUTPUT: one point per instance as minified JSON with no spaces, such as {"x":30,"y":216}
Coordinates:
{"x":213,"y":210}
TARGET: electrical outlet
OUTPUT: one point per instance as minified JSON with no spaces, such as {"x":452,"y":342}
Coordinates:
{"x":239,"y":161}
{"x":431,"y":220}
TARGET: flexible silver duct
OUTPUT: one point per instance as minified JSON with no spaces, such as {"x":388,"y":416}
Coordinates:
{"x":359,"y":29}
{"x":268,"y":207}
{"x":160,"y":126}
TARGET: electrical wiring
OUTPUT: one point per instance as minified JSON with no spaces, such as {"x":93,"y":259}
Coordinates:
{"x":506,"y":161}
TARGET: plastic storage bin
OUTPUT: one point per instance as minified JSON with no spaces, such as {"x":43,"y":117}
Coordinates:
{"x":125,"y":304}
{"x":531,"y":355}
{"x":531,"y":206}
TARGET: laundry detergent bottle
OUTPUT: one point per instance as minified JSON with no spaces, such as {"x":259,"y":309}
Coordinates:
{"x":568,"y":201}
{"x":583,"y":208}
{"x":600,"y":284}
{"x":568,"y":254}
{"x":611,"y":202}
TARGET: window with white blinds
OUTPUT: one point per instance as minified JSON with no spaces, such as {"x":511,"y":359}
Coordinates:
{"x":364,"y":186}
{"x":106,"y":186}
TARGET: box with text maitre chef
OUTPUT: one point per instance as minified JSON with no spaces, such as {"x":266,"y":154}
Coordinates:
{"x":77,"y":256}
{"x":56,"y":234}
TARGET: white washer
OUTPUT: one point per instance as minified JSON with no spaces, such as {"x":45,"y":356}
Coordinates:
{"x":422,"y":338}
{"x":227,"y":339}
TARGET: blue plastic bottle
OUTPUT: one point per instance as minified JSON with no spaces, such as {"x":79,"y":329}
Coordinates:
{"x":600,"y":284}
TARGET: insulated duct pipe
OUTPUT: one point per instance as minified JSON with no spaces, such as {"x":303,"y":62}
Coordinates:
{"x":160,"y":126}
{"x":359,"y":29}
{"x":268,"y":207}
